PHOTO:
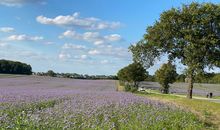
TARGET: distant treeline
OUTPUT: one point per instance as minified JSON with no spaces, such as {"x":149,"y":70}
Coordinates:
{"x":213,"y":78}
{"x":75,"y":75}
{"x":14,"y":67}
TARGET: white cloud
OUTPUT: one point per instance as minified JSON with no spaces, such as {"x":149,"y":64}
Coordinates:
{"x":49,"y":43}
{"x":94,"y":52}
{"x":113,"y":37}
{"x":7,"y":29}
{"x":93,"y":37}
{"x":83,"y":57}
{"x":104,"y":62}
{"x":24,"y":37}
{"x":63,"y":56}
{"x":110,"y":51}
{"x":76,"y":21}
{"x":73,"y":46}
{"x":19,"y":2}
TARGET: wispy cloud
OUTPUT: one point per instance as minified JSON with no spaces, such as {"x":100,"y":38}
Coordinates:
{"x":73,"y":46}
{"x":7,"y":29}
{"x":94,"y":52}
{"x":17,"y":3}
{"x":93,"y":37}
{"x":76,"y":21}
{"x":24,"y":37}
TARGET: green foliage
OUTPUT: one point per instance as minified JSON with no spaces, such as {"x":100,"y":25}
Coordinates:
{"x":208,"y":78}
{"x":79,"y":76}
{"x":181,"y":78}
{"x":14,"y":67}
{"x":133,"y":74}
{"x":166,"y":75}
{"x":127,"y":87}
{"x":190,"y":33}
{"x":51,"y":73}
{"x":150,"y":78}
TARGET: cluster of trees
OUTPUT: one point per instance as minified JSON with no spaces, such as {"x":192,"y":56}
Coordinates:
{"x":208,"y":78}
{"x":131,"y":75}
{"x":14,"y":67}
{"x":213,"y":78}
{"x":190,"y":34}
{"x":75,"y":75}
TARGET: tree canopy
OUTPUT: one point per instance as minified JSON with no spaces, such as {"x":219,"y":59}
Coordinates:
{"x":133,"y":73}
{"x":190,"y":33}
{"x":166,"y":75}
{"x":51,"y":73}
{"x":14,"y":67}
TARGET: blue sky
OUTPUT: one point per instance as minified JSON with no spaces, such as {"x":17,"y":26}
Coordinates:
{"x":77,"y":36}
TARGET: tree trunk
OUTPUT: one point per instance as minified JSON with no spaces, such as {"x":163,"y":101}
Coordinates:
{"x":136,"y":84}
{"x":190,"y":87}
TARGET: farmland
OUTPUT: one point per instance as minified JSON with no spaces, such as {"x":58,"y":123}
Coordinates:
{"x":32,"y":102}
{"x":200,"y":89}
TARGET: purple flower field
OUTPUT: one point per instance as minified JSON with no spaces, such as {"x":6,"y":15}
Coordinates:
{"x":33,"y":88}
{"x":54,"y":103}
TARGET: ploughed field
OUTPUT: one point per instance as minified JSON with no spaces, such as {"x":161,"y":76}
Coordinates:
{"x":200,"y":89}
{"x":32,"y":102}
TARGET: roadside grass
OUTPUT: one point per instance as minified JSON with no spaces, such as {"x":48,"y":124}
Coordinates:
{"x":217,"y":97}
{"x":208,"y":112}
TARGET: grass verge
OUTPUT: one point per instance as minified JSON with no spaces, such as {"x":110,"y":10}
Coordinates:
{"x":208,"y":112}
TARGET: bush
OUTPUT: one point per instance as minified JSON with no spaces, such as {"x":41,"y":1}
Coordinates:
{"x":127,"y":87}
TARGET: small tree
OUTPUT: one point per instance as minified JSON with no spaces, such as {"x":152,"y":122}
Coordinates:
{"x":166,"y":75}
{"x":133,"y":73}
{"x":51,"y":73}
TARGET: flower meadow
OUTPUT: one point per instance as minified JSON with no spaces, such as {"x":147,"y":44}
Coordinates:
{"x":41,"y":103}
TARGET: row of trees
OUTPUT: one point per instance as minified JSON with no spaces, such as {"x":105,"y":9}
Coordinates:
{"x":190,"y":34}
{"x":14,"y":67}
{"x":75,"y":75}
{"x":131,"y":75}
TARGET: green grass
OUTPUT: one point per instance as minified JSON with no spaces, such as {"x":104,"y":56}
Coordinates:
{"x":208,"y":112}
{"x":216,"y":97}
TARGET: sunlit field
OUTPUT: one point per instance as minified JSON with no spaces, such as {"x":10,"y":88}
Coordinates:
{"x":54,"y":103}
{"x":200,"y":89}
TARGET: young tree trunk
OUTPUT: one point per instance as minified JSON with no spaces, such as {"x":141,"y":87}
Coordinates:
{"x":190,"y":87}
{"x":136,"y":84}
{"x":166,"y":89}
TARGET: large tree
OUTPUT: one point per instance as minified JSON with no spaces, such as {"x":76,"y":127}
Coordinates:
{"x":190,"y":34}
